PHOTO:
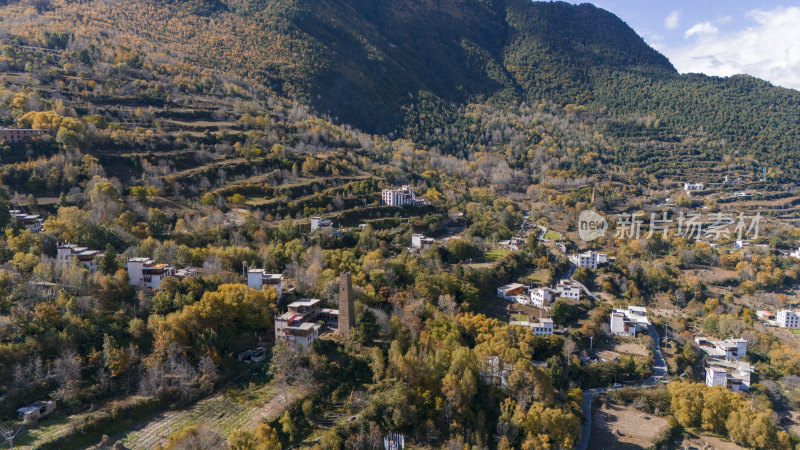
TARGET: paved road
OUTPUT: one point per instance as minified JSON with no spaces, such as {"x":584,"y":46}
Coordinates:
{"x":659,"y":372}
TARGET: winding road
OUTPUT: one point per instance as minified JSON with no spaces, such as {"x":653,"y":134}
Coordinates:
{"x":659,"y":372}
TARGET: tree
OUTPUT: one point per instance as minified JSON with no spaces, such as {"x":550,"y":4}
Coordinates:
{"x":109,"y":263}
{"x":286,"y":368}
{"x":237,"y":199}
{"x":157,"y":220}
{"x":288,"y":426}
{"x":377,"y":364}
{"x":560,"y":311}
{"x":717,"y":406}
{"x":263,"y":438}
{"x":367,"y":326}
{"x":200,"y":437}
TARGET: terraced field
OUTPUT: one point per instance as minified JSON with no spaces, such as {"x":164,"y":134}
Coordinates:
{"x":223,"y":412}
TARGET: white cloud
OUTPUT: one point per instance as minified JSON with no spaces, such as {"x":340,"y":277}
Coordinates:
{"x":700,"y":29}
{"x":673,"y":20}
{"x":768,"y":49}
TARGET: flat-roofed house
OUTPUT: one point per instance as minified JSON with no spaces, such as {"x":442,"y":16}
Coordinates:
{"x":628,"y":322}
{"x":32,"y":222}
{"x":66,"y":253}
{"x":542,"y":327}
{"x":590,"y":259}
{"x":400,"y":197}
{"x":734,"y":375}
{"x":727,"y":349}
{"x":788,"y":319}
{"x":146,"y":273}
{"x":258,"y":278}
{"x":510,"y":291}
{"x":15,"y":135}
{"x":298,"y":326}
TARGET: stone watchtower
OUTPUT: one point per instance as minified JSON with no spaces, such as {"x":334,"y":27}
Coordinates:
{"x":347,"y":313}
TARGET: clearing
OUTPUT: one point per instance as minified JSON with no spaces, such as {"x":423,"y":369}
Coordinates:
{"x":630,"y":348}
{"x":621,"y":427}
{"x":497,"y":254}
{"x":552,"y":235}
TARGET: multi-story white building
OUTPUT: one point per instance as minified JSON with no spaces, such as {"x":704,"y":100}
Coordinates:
{"x":622,"y":325}
{"x":511,"y":291}
{"x":734,"y":375}
{"x":66,"y":253}
{"x":299,"y":326}
{"x":795,"y":254}
{"x":544,"y":297}
{"x":258,"y":278}
{"x":788,"y":319}
{"x":31,"y":222}
{"x":628,"y":322}
{"x":146,"y":273}
{"x":542,"y":327}
{"x":399,"y":197}
{"x":590,"y":259}
{"x":727,"y":349}
{"x":569,"y":290}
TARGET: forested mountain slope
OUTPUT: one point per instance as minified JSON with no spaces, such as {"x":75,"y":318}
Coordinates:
{"x":410,"y":67}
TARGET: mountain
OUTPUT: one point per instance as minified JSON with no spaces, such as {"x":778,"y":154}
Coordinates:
{"x":409,"y":68}
{"x":363,"y":61}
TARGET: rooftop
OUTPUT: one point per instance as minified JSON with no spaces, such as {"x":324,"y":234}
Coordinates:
{"x":305,"y":302}
{"x":512,"y":286}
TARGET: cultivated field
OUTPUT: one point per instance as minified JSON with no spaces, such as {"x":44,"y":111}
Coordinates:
{"x":224,"y":412}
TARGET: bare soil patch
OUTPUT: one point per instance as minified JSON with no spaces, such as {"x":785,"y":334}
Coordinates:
{"x":620,"y":427}
{"x":630,"y":348}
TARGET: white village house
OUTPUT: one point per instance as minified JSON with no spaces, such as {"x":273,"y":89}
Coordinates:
{"x":590,"y":259}
{"x":512,"y":292}
{"x":146,"y":273}
{"x":628,"y":322}
{"x":32,"y":222}
{"x":258,"y":278}
{"x":299,"y":326}
{"x":400,"y":197}
{"x":727,"y":349}
{"x":788,"y":319}
{"x":66,"y":253}
{"x":542,"y":327}
{"x":544,"y":297}
{"x":734,"y":375}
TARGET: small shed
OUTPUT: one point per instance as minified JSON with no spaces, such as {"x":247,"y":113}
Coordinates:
{"x":37,"y":410}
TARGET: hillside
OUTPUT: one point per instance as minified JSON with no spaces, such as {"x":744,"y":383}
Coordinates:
{"x":411,"y":67}
{"x":213,"y":136}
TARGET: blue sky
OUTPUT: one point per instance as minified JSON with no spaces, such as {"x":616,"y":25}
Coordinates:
{"x":720,"y":37}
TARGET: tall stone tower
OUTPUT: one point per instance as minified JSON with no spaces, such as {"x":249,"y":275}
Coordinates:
{"x":347,"y":312}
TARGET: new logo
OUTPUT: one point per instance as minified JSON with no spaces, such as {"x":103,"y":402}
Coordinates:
{"x":591,"y":225}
